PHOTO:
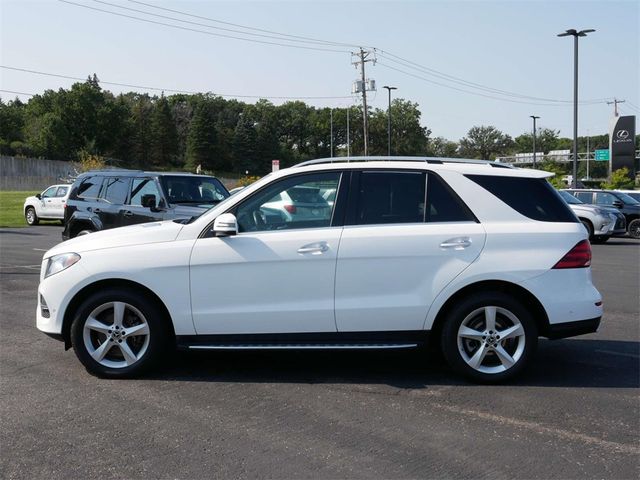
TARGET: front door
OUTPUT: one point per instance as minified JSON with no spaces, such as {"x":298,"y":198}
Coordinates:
{"x":397,"y":255}
{"x":277,"y":274}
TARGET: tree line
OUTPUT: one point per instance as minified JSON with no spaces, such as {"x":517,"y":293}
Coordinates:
{"x":183,"y":131}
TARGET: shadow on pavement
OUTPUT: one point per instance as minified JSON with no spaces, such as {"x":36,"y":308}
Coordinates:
{"x":561,"y":363}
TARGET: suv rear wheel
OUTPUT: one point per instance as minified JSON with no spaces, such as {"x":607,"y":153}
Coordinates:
{"x":634,"y":228}
{"x":489,"y":337}
{"x":119,"y":334}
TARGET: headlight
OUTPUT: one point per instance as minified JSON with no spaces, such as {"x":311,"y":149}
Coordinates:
{"x":58,"y":263}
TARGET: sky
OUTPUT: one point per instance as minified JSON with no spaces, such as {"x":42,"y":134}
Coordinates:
{"x":429,"y":50}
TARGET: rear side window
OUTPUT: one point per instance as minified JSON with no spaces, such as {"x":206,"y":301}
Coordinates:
{"x":534,"y":198}
{"x":90,"y":188}
{"x":62,"y":191}
{"x":443,"y":205}
{"x":391,"y":197}
{"x":116,"y":190}
{"x":584,"y":197}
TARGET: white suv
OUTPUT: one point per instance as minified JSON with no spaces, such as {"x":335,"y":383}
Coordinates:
{"x":478,"y":257}
{"x":48,"y":205}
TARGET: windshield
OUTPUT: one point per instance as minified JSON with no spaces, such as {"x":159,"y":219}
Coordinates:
{"x":570,"y":199}
{"x":194,"y":189}
{"x":627,"y":199}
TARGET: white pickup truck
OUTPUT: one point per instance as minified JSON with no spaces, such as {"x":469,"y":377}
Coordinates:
{"x":48,"y":205}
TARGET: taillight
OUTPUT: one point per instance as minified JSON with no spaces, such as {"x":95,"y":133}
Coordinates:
{"x":578,"y":257}
{"x":290,"y":208}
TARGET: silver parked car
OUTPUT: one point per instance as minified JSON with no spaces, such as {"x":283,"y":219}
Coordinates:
{"x":600,"y":222}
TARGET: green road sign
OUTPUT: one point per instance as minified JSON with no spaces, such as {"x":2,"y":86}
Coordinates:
{"x":602,"y":155}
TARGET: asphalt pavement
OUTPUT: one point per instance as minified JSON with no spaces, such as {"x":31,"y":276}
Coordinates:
{"x":574,"y":414}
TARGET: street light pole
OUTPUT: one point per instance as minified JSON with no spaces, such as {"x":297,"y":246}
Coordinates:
{"x":389,"y":119}
{"x":575,"y":34}
{"x":534,"y":139}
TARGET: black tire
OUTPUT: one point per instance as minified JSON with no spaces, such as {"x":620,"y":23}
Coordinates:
{"x":634,"y":228}
{"x":589,"y":227}
{"x":600,"y":239}
{"x":31,"y":217}
{"x":455,"y":348}
{"x":114,"y":364}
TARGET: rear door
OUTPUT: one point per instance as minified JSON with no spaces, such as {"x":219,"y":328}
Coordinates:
{"x":407,"y":236}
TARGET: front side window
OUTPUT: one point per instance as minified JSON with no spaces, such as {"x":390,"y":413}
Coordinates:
{"x":90,"y":188}
{"x":143,"y":187}
{"x":193,"y":189}
{"x":49,"y":192}
{"x":390,"y":197}
{"x":116,"y":190}
{"x":292,"y":203}
{"x":605,"y":198}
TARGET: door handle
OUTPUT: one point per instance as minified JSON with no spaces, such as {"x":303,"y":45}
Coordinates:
{"x":459,"y":243}
{"x":128,"y":213}
{"x":317,"y":248}
{"x":96,"y":210}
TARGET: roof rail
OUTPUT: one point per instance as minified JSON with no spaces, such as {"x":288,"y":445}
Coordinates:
{"x":431,"y":160}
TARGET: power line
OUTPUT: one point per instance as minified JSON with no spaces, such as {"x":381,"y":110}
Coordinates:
{"x":432,"y":72}
{"x":477,"y":93}
{"x":217,"y":28}
{"x":299,"y":37}
{"x":159,"y":89}
{"x":179,"y":27}
{"x":18,"y":93}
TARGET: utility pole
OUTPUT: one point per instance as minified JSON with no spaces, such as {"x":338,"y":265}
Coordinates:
{"x":615,"y":105}
{"x":364,"y":58}
{"x":534,"y":139}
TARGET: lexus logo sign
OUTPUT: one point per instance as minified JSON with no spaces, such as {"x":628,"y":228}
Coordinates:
{"x":622,"y":134}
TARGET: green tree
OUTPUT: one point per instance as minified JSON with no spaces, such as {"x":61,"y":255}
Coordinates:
{"x":620,"y":179}
{"x":11,"y":124}
{"x":141,"y":130}
{"x":485,"y":142}
{"x":202,"y":141}
{"x":441,"y":147}
{"x":163,"y":134}
{"x":558,"y":170}
{"x":244,"y":147}
{"x":546,"y":140}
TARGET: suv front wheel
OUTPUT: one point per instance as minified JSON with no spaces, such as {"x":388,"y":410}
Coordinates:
{"x":119,"y":334}
{"x":489,"y":337}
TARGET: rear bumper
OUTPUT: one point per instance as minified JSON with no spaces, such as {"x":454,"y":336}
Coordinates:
{"x":573,"y":329}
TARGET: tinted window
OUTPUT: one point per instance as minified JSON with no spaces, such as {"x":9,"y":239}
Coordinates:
{"x":116,"y":190}
{"x":193,"y":189}
{"x":390,"y":197}
{"x":289,"y":204}
{"x":534,"y":198}
{"x":570,"y":199}
{"x":141,"y":187}
{"x":585,"y":197}
{"x":628,"y":199}
{"x":62,"y":191}
{"x":90,"y":187}
{"x":443,"y":204}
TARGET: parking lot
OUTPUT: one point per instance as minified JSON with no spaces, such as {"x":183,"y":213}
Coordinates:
{"x":574,"y":414}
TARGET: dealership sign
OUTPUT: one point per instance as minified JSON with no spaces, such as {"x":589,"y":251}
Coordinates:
{"x":622,"y":143}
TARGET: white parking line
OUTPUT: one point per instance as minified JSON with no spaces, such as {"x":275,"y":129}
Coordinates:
{"x":630,"y":355}
{"x":41,"y":250}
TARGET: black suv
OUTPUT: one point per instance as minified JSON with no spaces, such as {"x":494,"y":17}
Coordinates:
{"x":115,"y":198}
{"x":627,"y":205}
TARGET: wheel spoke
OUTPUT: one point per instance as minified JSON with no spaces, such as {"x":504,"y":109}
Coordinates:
{"x":142,"y":329}
{"x":118,"y":313}
{"x":506,"y":359}
{"x":490,"y":318}
{"x":467,"y":332}
{"x":511,"y":332}
{"x":129,"y":357}
{"x":102,"y":350}
{"x":94,"y":324}
{"x":478,"y":357}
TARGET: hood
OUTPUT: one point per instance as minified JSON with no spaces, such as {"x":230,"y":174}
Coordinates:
{"x":189,"y":210}
{"x":141,"y":234}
